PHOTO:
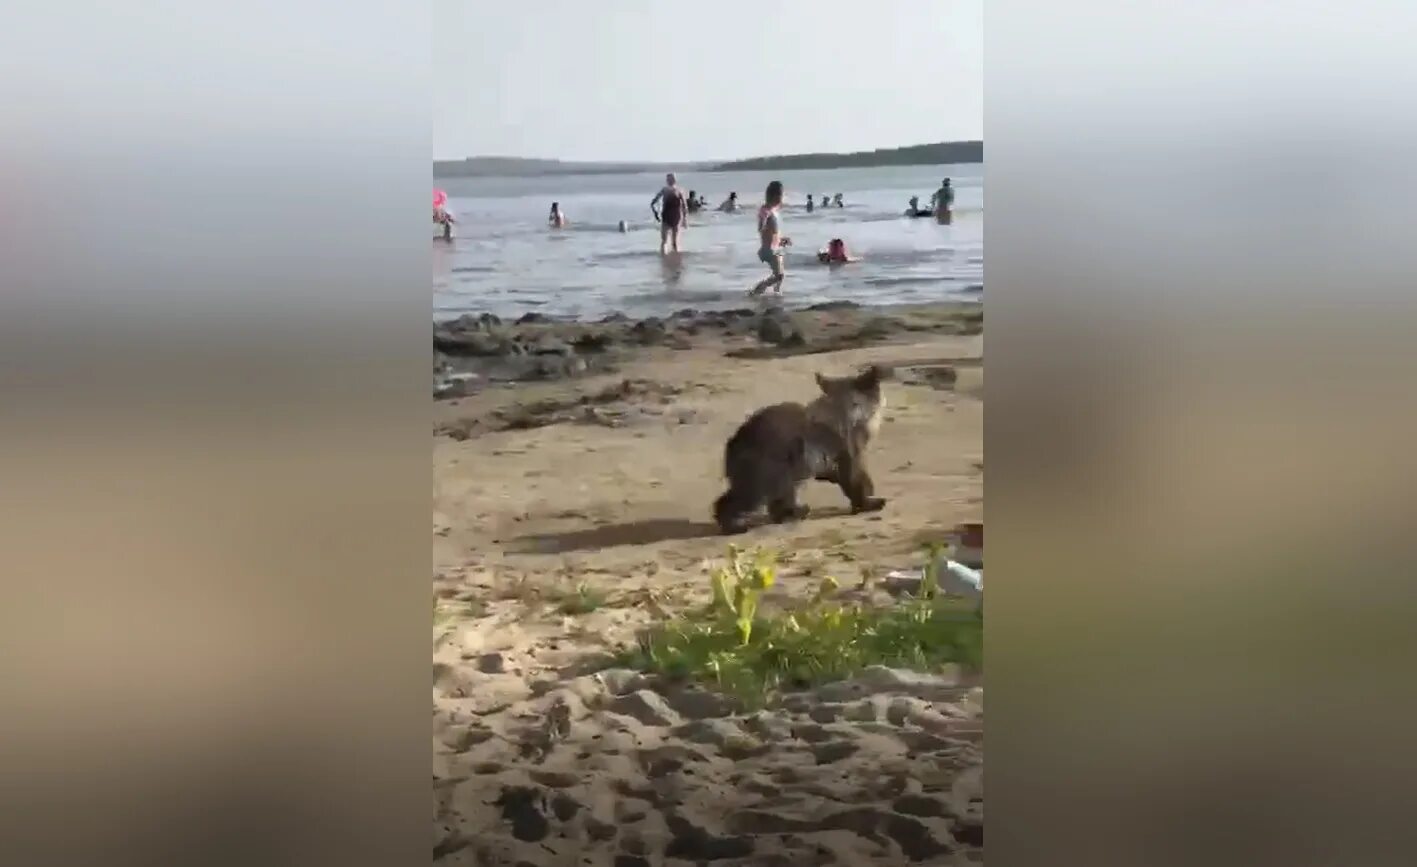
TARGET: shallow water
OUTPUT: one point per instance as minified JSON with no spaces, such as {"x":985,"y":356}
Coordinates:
{"x":504,"y":259}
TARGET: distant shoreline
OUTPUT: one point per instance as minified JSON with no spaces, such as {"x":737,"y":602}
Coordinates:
{"x":938,"y":153}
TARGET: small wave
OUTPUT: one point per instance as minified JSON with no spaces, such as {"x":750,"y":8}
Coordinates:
{"x":904,"y":281}
{"x":688,"y":295}
{"x":620,"y":255}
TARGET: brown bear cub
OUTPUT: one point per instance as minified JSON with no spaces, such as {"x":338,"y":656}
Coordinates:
{"x":781,"y":446}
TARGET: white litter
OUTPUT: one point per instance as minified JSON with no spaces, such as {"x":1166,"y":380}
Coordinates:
{"x":955,"y":579}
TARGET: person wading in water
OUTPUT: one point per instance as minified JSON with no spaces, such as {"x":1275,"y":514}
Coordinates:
{"x":673,"y":218}
{"x":771,"y":240}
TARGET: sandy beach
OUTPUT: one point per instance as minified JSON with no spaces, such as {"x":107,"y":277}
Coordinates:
{"x":574,"y":465}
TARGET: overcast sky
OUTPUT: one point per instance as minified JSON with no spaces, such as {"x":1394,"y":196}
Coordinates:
{"x":669,"y":80}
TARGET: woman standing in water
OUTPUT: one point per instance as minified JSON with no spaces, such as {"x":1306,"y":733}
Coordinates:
{"x":556,"y":218}
{"x":771,"y":239}
{"x":673,"y":217}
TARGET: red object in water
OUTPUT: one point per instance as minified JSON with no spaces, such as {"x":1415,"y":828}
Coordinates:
{"x":971,"y":535}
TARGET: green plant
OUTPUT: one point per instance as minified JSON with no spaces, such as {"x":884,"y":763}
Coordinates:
{"x":740,"y":648}
{"x":582,"y":600}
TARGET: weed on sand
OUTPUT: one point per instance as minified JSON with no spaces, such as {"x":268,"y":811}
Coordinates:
{"x":755,"y":654}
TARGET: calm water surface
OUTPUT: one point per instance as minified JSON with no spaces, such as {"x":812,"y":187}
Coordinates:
{"x":504,"y":259}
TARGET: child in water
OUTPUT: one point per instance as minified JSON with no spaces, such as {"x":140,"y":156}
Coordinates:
{"x":836,"y":254}
{"x":446,"y":220}
{"x":556,"y":218}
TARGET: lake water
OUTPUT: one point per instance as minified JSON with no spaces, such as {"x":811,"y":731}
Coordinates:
{"x":504,"y":259}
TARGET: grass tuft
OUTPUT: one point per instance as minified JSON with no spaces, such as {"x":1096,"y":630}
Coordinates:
{"x":755,"y":654}
{"x":582,"y":600}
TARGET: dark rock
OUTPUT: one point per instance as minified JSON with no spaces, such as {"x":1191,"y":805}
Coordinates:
{"x":455,"y":386}
{"x":919,"y":805}
{"x":549,"y":345}
{"x":969,"y":833}
{"x":598,"y":830}
{"x":565,"y":807}
{"x":520,"y":807}
{"x":708,"y":848}
{"x":697,"y":704}
{"x":469,"y":322}
{"x":474,"y":343}
{"x":777,"y":328}
{"x":648,"y":707}
{"x":615,"y":316}
{"x":593,"y":341}
{"x":764,"y":822}
{"x":630,"y":861}
{"x":835,"y":305}
{"x":491,"y":663}
{"x":914,"y":837}
{"x":686,"y":313}
{"x":828,"y":753}
{"x":877,"y":328}
{"x":648,"y":331}
{"x":619,"y":681}
{"x":555,"y":779}
{"x":710,"y":731}
{"x":532,"y":318}
{"x":693,"y":843}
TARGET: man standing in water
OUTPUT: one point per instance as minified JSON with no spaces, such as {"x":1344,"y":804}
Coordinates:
{"x":771,"y":240}
{"x":942,"y":200}
{"x":673,"y":218}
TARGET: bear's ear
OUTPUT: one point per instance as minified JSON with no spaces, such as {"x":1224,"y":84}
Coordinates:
{"x":871,"y":377}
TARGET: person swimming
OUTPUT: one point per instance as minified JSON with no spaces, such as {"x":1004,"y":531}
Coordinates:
{"x":556,"y":218}
{"x":836,"y":254}
{"x":672,"y":220}
{"x":696,"y":204}
{"x":915,"y":211}
{"x":624,"y":226}
{"x":771,"y":240}
{"x":838,"y":201}
{"x":730,"y":204}
{"x":810,"y":206}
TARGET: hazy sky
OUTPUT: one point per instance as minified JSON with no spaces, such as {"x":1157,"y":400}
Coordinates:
{"x":667,"y":80}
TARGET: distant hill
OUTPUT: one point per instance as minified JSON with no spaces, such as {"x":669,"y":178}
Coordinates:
{"x":484,"y":167}
{"x":939,"y":153}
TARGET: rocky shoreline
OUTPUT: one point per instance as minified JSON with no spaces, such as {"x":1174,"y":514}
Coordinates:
{"x":473,"y":352}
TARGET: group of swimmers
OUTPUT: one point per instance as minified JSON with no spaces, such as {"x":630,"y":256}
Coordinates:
{"x":826,"y":202}
{"x":670,"y":207}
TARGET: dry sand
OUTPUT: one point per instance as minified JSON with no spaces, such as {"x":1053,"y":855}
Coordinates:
{"x":604,"y":483}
